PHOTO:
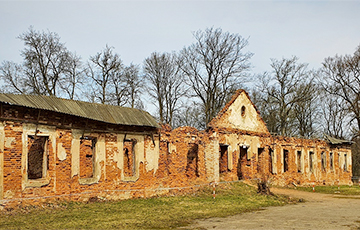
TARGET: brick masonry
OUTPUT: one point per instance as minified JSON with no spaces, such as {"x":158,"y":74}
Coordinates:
{"x":75,"y":159}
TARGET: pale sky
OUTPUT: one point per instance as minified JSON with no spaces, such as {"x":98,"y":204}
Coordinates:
{"x":311,"y":30}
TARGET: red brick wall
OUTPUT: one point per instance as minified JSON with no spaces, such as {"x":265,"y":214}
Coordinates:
{"x":12,"y":160}
{"x":181,"y":162}
{"x":63,"y":167}
{"x":87,"y":148}
{"x":129,"y":158}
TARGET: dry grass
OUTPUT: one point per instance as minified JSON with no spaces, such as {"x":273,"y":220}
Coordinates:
{"x":152,"y":213}
{"x":342,"y":190}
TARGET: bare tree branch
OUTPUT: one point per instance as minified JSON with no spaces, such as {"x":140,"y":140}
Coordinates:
{"x":102,"y":67}
{"x":342,"y":80}
{"x":166,"y":83}
{"x":214,"y":64}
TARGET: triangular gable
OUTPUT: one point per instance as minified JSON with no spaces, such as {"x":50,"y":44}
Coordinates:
{"x":240,"y":113}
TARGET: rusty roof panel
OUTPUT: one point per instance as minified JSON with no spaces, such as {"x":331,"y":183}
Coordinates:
{"x":335,"y":141}
{"x":105,"y":113}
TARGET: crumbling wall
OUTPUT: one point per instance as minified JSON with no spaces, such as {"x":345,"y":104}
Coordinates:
{"x":241,"y":150}
{"x":63,"y":160}
{"x":310,"y":167}
{"x":87,"y":154}
{"x":281,"y":160}
{"x":184,"y":152}
{"x":84,"y":158}
{"x":12,"y":173}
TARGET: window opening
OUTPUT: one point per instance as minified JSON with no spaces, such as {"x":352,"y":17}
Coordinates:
{"x":331,"y":161}
{"x":299,"y":161}
{"x":38,"y":156}
{"x":129,"y":158}
{"x":323,"y":161}
{"x":168,"y":148}
{"x":286,"y":160}
{"x":87,"y":156}
{"x":271,"y":153}
{"x":168,"y":157}
{"x":223,"y":161}
{"x":192,"y":160}
{"x":243,"y":160}
{"x":260,"y":160}
{"x":345,"y":162}
{"x":243,"y":108}
{"x":311,"y":161}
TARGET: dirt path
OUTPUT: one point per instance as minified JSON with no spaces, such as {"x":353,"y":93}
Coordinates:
{"x":320,"y":211}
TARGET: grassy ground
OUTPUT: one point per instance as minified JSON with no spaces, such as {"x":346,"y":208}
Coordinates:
{"x":152,"y":213}
{"x":342,"y":189}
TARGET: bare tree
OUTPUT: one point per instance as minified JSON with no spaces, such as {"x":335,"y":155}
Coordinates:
{"x":342,"y":80}
{"x":214,"y":64}
{"x":306,"y":110}
{"x":134,"y":85}
{"x":282,"y":91}
{"x":45,"y":61}
{"x":190,"y":114}
{"x":121,"y":93}
{"x":73,"y":76}
{"x":166,"y":84}
{"x":355,"y":156}
{"x":266,"y":104}
{"x":48,"y":67}
{"x":334,"y":115}
{"x":102,"y":67}
{"x":12,"y":75}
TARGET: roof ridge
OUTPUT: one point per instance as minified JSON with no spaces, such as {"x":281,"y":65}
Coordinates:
{"x":67,"y":99}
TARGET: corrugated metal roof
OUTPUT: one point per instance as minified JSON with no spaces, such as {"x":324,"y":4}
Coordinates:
{"x":335,"y":141}
{"x":99,"y":112}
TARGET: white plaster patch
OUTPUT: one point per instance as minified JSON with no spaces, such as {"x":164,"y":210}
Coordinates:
{"x":243,"y":115}
{"x":232,"y":141}
{"x":9,"y":141}
{"x":247,"y":122}
{"x":75,"y":152}
{"x":172,"y":148}
{"x":17,"y":128}
{"x":9,"y":194}
{"x":61,"y":152}
{"x":118,"y":156}
{"x":152,"y":156}
{"x":212,"y":161}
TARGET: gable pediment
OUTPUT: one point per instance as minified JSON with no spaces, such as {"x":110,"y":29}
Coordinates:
{"x":240,"y":113}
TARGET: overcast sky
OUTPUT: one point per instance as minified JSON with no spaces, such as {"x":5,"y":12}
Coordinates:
{"x":311,"y":30}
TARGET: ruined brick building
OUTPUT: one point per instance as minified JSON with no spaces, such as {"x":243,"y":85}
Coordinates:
{"x":58,"y":149}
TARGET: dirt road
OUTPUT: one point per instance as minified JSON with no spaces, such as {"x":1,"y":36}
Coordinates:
{"x":320,"y":211}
